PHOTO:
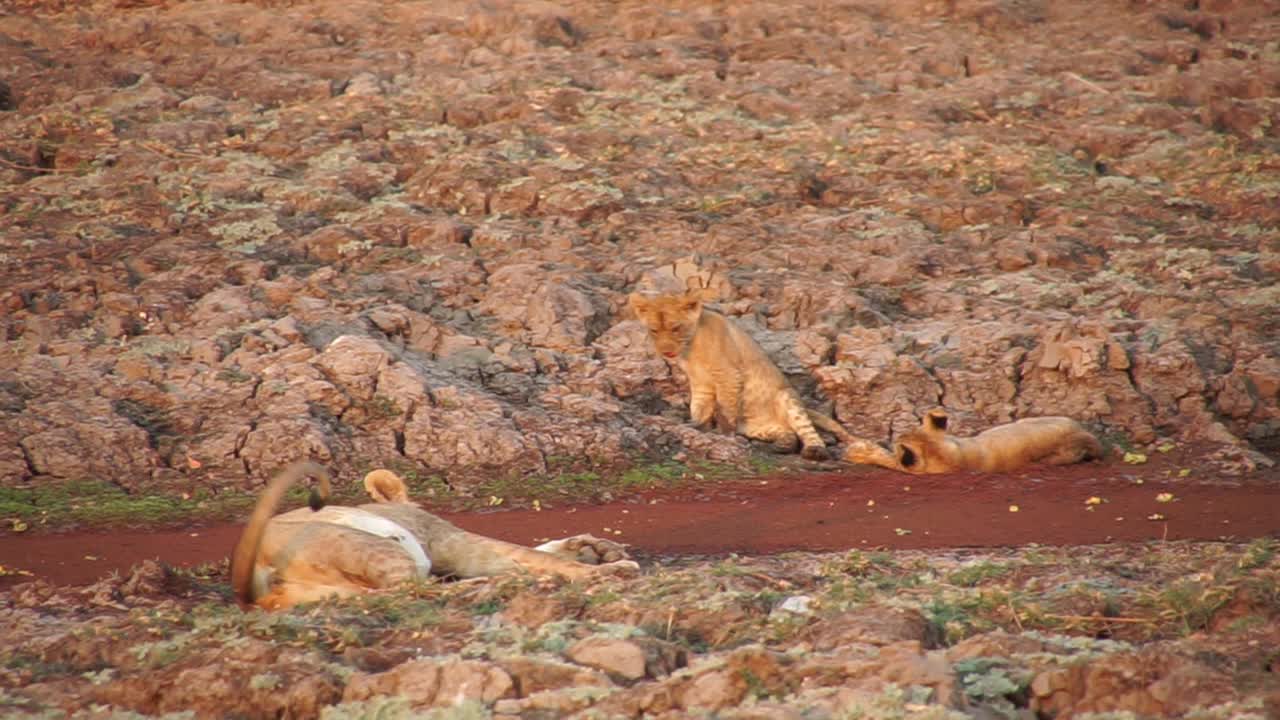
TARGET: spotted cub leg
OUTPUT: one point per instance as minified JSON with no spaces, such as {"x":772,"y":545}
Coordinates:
{"x":812,"y":446}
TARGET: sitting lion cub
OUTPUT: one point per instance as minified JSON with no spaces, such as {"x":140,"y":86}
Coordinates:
{"x":929,"y":449}
{"x":731,"y":380}
{"x":309,"y":554}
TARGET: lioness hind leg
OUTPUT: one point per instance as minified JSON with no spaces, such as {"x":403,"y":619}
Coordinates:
{"x":587,"y":549}
{"x":469,"y":555}
{"x":324,"y":560}
{"x":327,"y":555}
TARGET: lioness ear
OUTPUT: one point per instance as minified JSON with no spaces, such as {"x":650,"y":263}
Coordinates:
{"x":937,"y":420}
{"x":906,"y":456}
{"x":386,"y":486}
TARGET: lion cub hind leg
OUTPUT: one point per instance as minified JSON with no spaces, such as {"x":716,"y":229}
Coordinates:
{"x":587,"y":549}
{"x":797,"y":417}
{"x":1077,"y":445}
{"x":783,"y":442}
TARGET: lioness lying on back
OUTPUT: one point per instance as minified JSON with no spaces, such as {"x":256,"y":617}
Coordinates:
{"x":309,"y":554}
{"x":929,"y":449}
{"x":731,"y":380}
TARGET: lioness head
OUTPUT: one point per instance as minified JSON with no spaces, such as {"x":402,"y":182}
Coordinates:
{"x":670,"y":319}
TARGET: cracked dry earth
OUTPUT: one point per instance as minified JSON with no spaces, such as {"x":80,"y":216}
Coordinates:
{"x":402,"y":233}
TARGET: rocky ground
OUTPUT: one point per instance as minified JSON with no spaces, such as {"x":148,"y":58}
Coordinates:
{"x":1163,"y":630}
{"x":401,"y":234}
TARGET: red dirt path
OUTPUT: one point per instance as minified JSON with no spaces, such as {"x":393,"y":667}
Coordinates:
{"x":795,"y":511}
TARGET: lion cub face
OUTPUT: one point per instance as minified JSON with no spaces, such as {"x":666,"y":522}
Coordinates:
{"x":918,"y":447}
{"x":670,"y":319}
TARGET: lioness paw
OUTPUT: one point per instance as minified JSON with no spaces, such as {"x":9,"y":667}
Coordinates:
{"x":587,"y":549}
{"x":619,"y":568}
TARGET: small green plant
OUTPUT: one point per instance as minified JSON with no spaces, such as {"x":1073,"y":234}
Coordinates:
{"x":265,"y":681}
{"x":1190,"y":603}
{"x":978,"y":573}
{"x":988,"y":682}
{"x":755,"y":686}
{"x":856,"y":563}
{"x":233,"y":375}
{"x":602,"y":597}
{"x":487,"y":607}
{"x":1257,"y":554}
{"x":383,"y":408}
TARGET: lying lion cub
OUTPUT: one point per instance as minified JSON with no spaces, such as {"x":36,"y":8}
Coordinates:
{"x":731,"y":380}
{"x":929,"y":449}
{"x":309,"y":554}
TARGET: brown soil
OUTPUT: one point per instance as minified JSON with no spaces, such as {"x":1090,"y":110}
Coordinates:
{"x":798,"y":511}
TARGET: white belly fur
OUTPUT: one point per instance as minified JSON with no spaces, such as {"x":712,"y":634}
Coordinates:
{"x":366,"y":521}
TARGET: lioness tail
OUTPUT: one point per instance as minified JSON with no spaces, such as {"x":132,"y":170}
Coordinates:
{"x":246,"y":552}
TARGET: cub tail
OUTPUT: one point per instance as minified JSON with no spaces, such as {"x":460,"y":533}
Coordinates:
{"x":822,"y":422}
{"x":244,"y":557}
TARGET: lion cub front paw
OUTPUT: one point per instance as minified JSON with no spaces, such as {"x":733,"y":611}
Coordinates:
{"x":865,"y":452}
{"x":814,"y":452}
{"x":724,"y":424}
{"x":587,"y":549}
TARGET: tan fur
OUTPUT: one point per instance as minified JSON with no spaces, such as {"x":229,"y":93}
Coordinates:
{"x":731,"y":380}
{"x":306,"y":555}
{"x":385,"y":486}
{"x":929,"y":449}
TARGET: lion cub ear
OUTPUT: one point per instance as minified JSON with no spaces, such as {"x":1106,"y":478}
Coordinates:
{"x":907,"y":457}
{"x":691,"y":302}
{"x":385,"y":486}
{"x":936,"y":420}
{"x":639,"y":304}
